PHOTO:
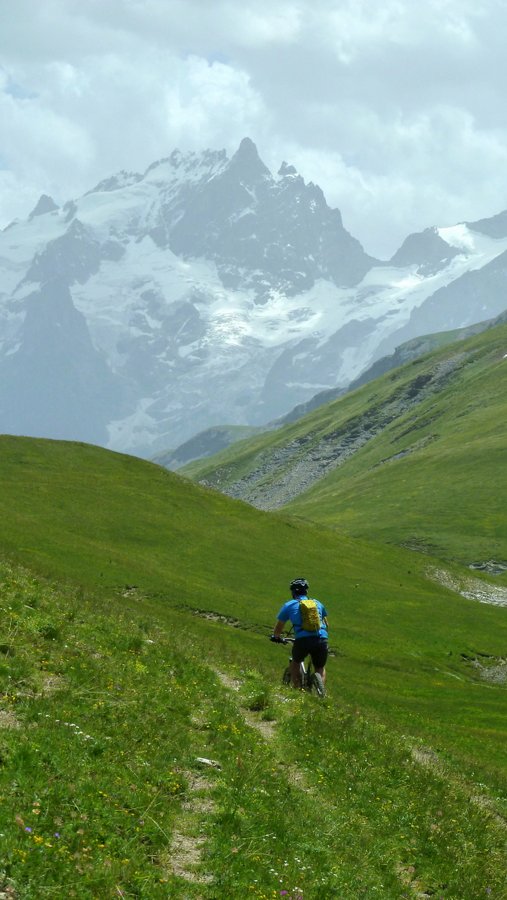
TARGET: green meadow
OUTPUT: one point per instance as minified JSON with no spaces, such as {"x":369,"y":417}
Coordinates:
{"x":147,"y":746}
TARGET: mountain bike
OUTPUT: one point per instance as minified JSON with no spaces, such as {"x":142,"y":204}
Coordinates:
{"x":311,"y":681}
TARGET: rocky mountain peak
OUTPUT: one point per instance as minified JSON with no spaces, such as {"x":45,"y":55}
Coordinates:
{"x":45,"y":204}
{"x":427,"y":250}
{"x":116,"y":182}
{"x":247,"y":150}
{"x":247,"y":164}
{"x":286,"y":171}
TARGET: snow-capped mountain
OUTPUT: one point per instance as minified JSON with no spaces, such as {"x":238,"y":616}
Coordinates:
{"x":209,"y":290}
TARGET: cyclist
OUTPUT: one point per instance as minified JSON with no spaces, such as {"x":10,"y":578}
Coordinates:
{"x":307,"y":642}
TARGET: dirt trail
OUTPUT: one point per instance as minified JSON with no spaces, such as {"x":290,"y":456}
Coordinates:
{"x":184,"y":855}
{"x":265,"y":727}
{"x":8,"y":719}
{"x":267,"y":730}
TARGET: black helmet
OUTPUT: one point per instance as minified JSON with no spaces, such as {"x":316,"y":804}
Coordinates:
{"x":299,"y":586}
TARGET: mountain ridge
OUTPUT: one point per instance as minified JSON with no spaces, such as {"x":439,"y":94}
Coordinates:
{"x":214,"y":291}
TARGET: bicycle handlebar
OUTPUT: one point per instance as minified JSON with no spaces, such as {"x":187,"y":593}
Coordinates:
{"x":280,"y":640}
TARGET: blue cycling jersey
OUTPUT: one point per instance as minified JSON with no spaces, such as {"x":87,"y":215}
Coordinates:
{"x":291,"y":611}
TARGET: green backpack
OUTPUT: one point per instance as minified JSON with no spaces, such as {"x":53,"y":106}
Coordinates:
{"x":310,"y":619}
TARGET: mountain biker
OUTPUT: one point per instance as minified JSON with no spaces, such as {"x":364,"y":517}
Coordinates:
{"x":306,"y":642}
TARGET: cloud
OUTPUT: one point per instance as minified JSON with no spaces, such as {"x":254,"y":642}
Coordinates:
{"x":395,"y":109}
{"x":37,"y":142}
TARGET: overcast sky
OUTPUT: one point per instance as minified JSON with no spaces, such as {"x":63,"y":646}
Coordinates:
{"x":396,"y":109}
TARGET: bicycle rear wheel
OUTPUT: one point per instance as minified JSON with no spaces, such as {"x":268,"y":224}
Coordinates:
{"x":317,"y":685}
{"x":303,"y":674}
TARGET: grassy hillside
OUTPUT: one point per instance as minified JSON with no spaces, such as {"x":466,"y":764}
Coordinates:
{"x":137,"y":766}
{"x":434,"y":477}
{"x":417,"y":456}
{"x":146,"y":652}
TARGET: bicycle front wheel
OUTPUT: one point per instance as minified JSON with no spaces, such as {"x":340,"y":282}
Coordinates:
{"x":317,"y":685}
{"x":286,"y":677}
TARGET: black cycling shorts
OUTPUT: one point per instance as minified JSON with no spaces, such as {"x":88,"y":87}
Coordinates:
{"x":316,"y":647}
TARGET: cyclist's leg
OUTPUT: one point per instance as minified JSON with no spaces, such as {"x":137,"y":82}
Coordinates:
{"x":317,"y":685}
{"x":321,"y":670}
{"x":299,"y":652}
{"x":319,"y":659}
{"x":295,"y":671}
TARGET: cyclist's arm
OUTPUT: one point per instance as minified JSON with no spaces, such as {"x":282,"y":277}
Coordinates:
{"x":279,"y":627}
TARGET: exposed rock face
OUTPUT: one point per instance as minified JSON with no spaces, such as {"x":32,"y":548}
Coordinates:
{"x":44,"y":205}
{"x":281,"y":231}
{"x":57,"y":384}
{"x":73,"y":257}
{"x":495,"y":227}
{"x":427,"y":250}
